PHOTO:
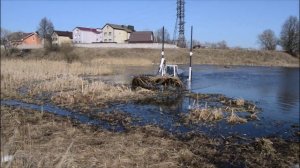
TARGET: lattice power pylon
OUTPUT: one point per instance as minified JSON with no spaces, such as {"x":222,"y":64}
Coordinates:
{"x":179,"y":25}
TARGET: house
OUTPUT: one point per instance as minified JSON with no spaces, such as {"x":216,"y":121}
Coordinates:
{"x":141,"y":37}
{"x":61,"y":37}
{"x":113,"y":33}
{"x":31,"y":39}
{"x":26,"y":40}
{"x":87,"y":35}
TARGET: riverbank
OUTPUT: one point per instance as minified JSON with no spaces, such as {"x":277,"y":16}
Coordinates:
{"x":115,"y":56}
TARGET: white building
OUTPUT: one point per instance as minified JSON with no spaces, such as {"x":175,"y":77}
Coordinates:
{"x":87,"y":35}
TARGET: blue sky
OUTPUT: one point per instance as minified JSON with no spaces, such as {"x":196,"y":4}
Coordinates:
{"x":238,"y":22}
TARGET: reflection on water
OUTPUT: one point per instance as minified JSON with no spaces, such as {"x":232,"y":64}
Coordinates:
{"x":275,"y":89}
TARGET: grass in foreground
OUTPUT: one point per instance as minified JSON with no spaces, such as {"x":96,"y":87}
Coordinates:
{"x":38,"y":139}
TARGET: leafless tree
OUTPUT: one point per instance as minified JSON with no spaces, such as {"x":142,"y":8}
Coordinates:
{"x":289,"y":36}
{"x":5,"y":37}
{"x":158,"y":36}
{"x":45,"y":30}
{"x":222,"y":45}
{"x":267,"y":40}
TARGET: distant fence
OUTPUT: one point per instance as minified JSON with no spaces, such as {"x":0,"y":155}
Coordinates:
{"x":135,"y":45}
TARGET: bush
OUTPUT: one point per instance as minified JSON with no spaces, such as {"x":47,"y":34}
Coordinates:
{"x":68,"y":52}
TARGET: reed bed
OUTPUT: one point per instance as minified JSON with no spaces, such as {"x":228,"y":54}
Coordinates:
{"x":62,"y":83}
{"x":31,"y":70}
{"x":97,"y":93}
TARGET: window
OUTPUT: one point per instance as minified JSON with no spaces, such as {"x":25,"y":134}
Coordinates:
{"x":105,"y":34}
{"x":105,"y":40}
{"x":109,"y":33}
{"x":109,"y":39}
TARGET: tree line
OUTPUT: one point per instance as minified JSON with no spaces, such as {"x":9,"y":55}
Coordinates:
{"x":288,"y":40}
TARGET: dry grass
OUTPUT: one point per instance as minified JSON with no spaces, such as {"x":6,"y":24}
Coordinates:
{"x":205,"y":114}
{"x":244,"y":57}
{"x":96,"y":94}
{"x":240,"y":102}
{"x":43,"y":140}
{"x":29,"y":70}
{"x":122,"y":61}
{"x":235,"y":119}
{"x":177,"y":56}
{"x":38,"y":139}
{"x":63,"y":81}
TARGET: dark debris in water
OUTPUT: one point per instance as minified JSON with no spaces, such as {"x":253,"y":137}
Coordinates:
{"x":157,"y":82}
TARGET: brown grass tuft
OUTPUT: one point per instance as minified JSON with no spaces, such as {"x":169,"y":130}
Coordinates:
{"x":240,"y":102}
{"x":205,"y":114}
{"x":235,"y":119}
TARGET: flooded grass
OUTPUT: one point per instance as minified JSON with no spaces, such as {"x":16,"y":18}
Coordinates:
{"x":205,"y":115}
{"x":222,"y":106}
{"x":113,"y":126}
{"x":235,"y":119}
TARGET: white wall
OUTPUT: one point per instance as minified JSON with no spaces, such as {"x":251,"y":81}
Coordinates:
{"x":124,"y":45}
{"x":82,"y":36}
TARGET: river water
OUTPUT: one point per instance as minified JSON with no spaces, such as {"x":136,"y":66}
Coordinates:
{"x":274,"y":90}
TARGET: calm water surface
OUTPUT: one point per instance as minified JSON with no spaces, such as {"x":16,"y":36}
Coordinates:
{"x":273,"y":89}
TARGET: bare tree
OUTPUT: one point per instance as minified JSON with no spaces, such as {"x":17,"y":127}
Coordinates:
{"x":289,"y":36}
{"x":45,"y":30}
{"x":5,"y":37}
{"x":158,"y":36}
{"x":267,"y":40}
{"x":222,"y":45}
